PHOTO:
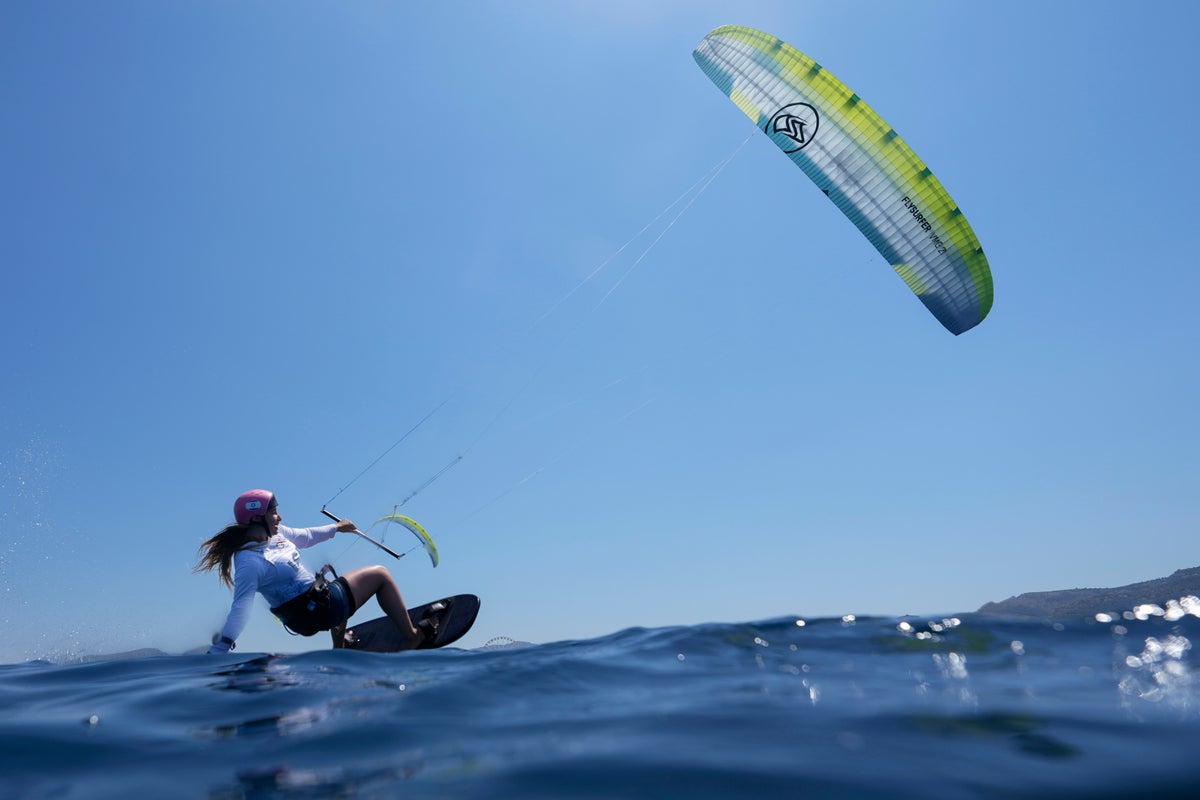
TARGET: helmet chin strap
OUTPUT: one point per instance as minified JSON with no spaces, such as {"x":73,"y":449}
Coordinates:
{"x":261,"y":522}
{"x":261,"y":519}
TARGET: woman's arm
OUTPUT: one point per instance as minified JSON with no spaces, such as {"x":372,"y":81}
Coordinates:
{"x":307,"y":537}
{"x":245,"y":584}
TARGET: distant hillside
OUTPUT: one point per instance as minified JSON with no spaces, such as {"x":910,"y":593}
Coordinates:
{"x":1068,"y":603}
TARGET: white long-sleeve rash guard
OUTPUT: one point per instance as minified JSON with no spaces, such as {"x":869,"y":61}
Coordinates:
{"x":273,"y":569}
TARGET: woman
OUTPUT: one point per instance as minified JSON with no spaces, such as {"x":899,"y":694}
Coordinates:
{"x":257,"y":554}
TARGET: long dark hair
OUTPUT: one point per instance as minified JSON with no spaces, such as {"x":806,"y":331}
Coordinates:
{"x":217,"y":552}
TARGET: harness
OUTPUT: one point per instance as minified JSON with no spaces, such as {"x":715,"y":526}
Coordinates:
{"x":309,"y":612}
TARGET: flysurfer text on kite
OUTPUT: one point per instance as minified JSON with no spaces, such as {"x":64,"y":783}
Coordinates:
{"x":925,"y":226}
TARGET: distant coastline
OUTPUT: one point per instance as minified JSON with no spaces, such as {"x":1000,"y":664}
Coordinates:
{"x":1083,"y":603}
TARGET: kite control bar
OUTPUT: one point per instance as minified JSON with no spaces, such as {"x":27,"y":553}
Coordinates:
{"x":357,"y":532}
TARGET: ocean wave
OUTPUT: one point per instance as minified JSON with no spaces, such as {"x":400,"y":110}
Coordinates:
{"x":969,"y":706}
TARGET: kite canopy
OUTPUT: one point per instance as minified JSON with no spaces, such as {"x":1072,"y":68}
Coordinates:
{"x":861,"y":164}
{"x":417,"y":530}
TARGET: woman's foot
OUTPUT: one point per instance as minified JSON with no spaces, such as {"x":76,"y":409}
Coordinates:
{"x":429,"y":631}
{"x":424,"y":633}
{"x":338,"y":634}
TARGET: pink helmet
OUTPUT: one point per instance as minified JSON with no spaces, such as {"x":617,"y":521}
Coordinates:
{"x":251,"y":504}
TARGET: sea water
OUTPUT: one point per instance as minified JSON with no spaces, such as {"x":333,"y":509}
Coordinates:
{"x":966,"y":707}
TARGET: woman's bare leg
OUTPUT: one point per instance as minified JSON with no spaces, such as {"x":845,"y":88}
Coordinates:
{"x":376,"y":581}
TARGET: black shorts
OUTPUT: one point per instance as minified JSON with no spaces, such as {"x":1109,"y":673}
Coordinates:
{"x":341,"y":602}
{"x":318,"y":609}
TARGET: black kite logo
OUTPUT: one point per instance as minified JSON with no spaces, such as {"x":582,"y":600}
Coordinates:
{"x":794,"y":126}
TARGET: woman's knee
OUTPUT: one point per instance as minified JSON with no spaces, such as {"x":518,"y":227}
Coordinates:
{"x":366,"y":581}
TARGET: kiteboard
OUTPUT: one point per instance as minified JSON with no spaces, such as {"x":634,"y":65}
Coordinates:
{"x":451,"y":616}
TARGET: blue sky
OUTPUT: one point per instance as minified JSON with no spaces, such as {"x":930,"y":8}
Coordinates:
{"x":252,"y":244}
